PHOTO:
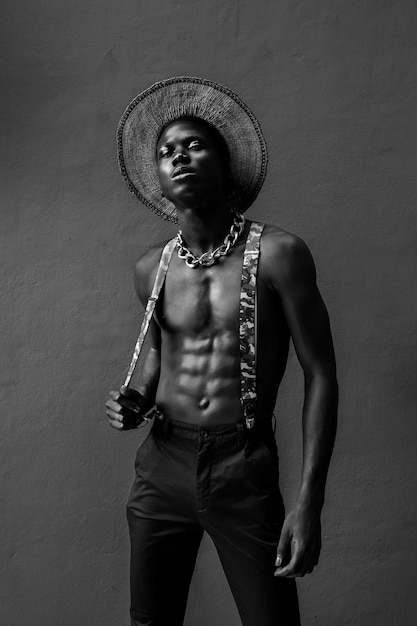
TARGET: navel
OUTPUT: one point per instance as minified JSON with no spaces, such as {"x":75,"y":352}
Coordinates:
{"x":203,"y":404}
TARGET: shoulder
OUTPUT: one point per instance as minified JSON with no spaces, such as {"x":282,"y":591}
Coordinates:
{"x":284,"y":257}
{"x":149,"y":260}
{"x":145,"y":270}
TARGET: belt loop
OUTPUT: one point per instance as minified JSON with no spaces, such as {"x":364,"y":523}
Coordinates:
{"x":241,"y":435}
{"x":165,"y":425}
{"x":166,"y":429}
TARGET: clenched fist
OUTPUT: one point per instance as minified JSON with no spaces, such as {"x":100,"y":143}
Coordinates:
{"x":125,"y":408}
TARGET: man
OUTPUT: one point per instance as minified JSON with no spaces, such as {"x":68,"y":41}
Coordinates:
{"x":230,"y":293}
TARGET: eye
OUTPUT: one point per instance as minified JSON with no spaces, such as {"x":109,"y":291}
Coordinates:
{"x":195,"y":144}
{"x":165,"y":152}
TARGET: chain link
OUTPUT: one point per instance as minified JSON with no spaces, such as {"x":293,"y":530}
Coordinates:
{"x":210,"y":258}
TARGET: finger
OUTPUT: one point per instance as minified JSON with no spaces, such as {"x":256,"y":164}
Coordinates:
{"x":116,"y":417}
{"x":115,"y":395}
{"x":311,"y":556}
{"x":317,"y":553}
{"x":293,"y":568}
{"x":312,"y":560}
{"x":121,"y":422}
{"x":124,"y":407}
{"x":114,"y":406}
{"x":282,"y":549}
{"x":304,"y":565}
{"x":312,"y":564}
{"x":130,"y":393}
{"x":115,"y":424}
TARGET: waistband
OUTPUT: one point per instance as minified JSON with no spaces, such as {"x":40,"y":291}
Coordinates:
{"x":207,"y":429}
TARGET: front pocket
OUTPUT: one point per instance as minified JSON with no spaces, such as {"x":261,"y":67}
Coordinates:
{"x":270,"y":445}
{"x":262,"y":458}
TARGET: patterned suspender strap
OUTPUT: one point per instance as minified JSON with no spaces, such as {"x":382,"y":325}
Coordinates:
{"x":247,"y":324}
{"x":151,"y":304}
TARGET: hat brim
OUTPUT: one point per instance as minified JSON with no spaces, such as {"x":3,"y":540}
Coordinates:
{"x":186,"y":96}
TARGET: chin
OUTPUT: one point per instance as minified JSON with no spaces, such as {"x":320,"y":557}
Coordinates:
{"x":188,"y":198}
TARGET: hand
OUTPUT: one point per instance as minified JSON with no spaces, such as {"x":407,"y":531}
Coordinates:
{"x":300,"y":543}
{"x":125,"y":408}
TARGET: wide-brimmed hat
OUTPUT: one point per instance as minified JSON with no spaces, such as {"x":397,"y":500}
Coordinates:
{"x":186,"y":96}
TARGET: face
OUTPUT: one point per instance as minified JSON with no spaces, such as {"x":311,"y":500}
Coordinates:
{"x":190,"y":163}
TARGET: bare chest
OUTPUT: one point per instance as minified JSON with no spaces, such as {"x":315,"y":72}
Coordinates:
{"x":201,"y":301}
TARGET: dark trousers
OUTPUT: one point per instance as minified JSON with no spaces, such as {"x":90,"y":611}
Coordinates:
{"x":224,"y":480}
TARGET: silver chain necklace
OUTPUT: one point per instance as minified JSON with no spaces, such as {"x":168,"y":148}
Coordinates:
{"x":210,"y":258}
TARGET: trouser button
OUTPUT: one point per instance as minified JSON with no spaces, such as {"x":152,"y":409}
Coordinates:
{"x":204,"y":433}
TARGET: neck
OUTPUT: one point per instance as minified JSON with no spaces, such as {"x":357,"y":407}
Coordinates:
{"x":204,"y":228}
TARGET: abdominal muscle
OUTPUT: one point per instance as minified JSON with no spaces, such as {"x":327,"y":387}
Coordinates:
{"x":198,"y":318}
{"x":200,"y":378}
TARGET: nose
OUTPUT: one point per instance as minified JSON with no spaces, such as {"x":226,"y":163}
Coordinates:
{"x":180,"y":157}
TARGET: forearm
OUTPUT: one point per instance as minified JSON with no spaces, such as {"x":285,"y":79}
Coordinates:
{"x":319,"y":430}
{"x":147,"y":384}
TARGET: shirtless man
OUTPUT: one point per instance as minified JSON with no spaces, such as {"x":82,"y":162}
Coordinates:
{"x":203,"y":466}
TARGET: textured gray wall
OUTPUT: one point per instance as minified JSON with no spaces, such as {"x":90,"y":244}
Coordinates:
{"x":333,"y":84}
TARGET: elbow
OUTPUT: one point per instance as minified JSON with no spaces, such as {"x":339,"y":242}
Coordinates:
{"x":323,"y":382}
{"x":322,"y":376}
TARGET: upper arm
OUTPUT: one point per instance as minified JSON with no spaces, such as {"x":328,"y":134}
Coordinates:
{"x":292,"y":274}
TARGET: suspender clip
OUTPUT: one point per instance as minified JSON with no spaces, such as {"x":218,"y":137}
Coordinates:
{"x":248,"y":413}
{"x":250,"y":422}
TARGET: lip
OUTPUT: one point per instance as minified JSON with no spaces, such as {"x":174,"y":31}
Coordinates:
{"x":182,"y":171}
{"x":184,"y":176}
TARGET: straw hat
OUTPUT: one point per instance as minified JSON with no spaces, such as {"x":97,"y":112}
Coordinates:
{"x":185,"y":96}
